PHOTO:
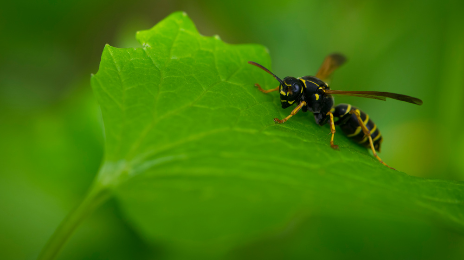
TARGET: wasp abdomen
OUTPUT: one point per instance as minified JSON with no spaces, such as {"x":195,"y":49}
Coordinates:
{"x":350,"y":126}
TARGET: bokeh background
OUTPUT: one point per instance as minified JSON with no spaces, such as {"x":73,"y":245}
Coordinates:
{"x":51,"y":140}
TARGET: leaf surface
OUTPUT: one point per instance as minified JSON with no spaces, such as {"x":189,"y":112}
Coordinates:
{"x":198,"y":163}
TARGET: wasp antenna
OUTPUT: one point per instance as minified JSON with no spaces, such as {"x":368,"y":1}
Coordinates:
{"x":266,"y":70}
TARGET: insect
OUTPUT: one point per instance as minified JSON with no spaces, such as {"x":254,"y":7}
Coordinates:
{"x":314,"y":94}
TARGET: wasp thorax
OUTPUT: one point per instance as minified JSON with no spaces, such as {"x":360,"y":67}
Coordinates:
{"x":290,"y":91}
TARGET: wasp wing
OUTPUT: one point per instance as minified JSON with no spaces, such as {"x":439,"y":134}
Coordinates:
{"x":331,"y":62}
{"x":376,"y":95}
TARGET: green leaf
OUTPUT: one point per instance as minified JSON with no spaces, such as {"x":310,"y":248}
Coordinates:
{"x":199,"y":166}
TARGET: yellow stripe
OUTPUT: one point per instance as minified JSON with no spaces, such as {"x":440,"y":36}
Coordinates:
{"x":317,"y":96}
{"x":367,"y":120}
{"x":304,"y":82}
{"x":364,"y":139}
{"x":282,"y":92}
{"x":366,"y":136}
{"x":313,"y":83}
{"x":348,"y":110}
{"x":291,"y":102}
{"x":377,"y":137}
{"x":355,"y":132}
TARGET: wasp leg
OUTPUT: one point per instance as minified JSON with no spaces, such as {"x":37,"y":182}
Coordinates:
{"x":368,"y":134}
{"x":266,"y":91}
{"x":278,"y":121}
{"x":332,"y":130}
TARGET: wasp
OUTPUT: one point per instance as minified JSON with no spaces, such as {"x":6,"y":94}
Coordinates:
{"x":314,"y":94}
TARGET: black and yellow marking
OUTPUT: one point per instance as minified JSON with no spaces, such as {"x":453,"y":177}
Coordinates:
{"x":351,"y":128}
{"x":314,"y":83}
{"x":359,"y":128}
{"x":367,"y":133}
{"x":348,"y":109}
{"x":304,"y":83}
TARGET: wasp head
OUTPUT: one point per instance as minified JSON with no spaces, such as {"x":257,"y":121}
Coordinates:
{"x":291,"y":90}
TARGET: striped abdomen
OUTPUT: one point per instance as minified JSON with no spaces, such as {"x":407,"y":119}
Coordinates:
{"x":350,"y":126}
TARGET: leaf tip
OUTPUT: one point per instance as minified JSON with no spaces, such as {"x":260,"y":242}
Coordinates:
{"x":178,"y":15}
{"x":107,"y":48}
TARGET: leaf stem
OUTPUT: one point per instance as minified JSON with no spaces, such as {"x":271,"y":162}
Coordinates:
{"x":94,"y":198}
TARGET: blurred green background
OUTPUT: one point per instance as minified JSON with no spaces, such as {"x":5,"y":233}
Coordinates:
{"x":50,"y":127}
